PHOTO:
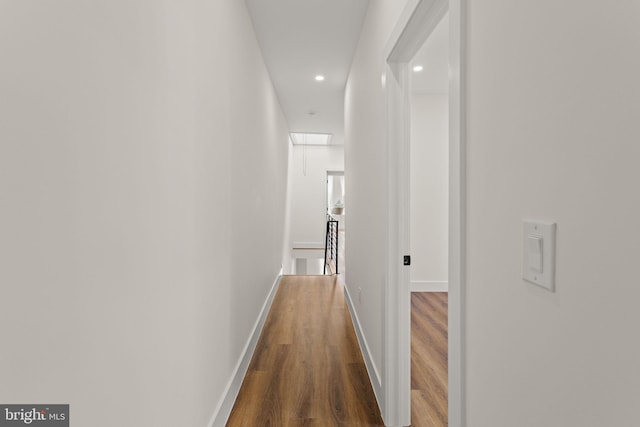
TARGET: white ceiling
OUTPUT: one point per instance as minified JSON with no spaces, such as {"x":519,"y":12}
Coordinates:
{"x":300,"y":39}
{"x":434,"y":57}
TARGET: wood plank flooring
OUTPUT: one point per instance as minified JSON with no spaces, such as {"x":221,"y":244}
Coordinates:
{"x":429,"y":334}
{"x":307,"y":369}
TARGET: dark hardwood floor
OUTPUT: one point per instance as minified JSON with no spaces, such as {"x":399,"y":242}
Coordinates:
{"x":307,"y":369}
{"x":429,"y":332}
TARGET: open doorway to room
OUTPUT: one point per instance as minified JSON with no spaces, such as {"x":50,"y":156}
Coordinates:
{"x":417,"y":24}
{"x":428,"y":228}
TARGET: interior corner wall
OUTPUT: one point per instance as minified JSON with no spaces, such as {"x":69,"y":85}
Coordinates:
{"x":553,"y":107}
{"x":129,"y":205}
{"x":429,"y":193}
{"x":308,"y":182}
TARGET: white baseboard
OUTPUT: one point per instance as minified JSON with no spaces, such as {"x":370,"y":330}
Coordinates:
{"x":428,"y":286}
{"x":225,"y":405}
{"x":372,"y":370}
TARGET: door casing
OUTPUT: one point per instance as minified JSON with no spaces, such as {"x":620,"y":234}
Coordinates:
{"x":416,"y":23}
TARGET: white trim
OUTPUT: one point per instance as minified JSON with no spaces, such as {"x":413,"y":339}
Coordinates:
{"x":428,"y":286}
{"x":419,"y":19}
{"x":457,"y":211}
{"x":396,"y":407}
{"x":372,"y":370}
{"x":307,"y":245}
{"x":416,"y":23}
{"x":225,"y":404}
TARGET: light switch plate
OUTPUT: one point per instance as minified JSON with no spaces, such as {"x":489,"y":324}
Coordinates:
{"x":539,"y":255}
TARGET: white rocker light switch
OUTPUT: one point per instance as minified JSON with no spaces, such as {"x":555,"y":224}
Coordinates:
{"x":535,"y":253}
{"x":538,"y":253}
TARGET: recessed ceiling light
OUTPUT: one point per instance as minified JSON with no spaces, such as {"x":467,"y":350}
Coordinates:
{"x":319,"y":78}
{"x":418,"y":68}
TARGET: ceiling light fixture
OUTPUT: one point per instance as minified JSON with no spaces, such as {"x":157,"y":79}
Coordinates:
{"x":319,"y":78}
{"x":418,"y":68}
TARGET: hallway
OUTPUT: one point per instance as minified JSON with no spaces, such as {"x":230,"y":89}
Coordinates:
{"x":307,"y":368}
{"x":148,"y":179}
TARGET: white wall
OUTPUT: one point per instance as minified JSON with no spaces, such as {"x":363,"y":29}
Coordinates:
{"x":366,"y":177}
{"x":288,"y":262}
{"x":429,"y":190}
{"x":130,"y":202}
{"x":309,"y":191}
{"x":552,"y":111}
{"x":553,"y":134}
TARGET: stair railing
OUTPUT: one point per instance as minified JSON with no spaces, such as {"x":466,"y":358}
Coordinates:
{"x":331,"y":244}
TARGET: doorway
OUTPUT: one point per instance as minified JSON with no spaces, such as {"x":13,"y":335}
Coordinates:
{"x":336,"y":210}
{"x":416,"y":24}
{"x":428,"y":227}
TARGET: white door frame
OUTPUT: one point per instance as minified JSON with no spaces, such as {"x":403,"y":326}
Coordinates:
{"x":416,"y":23}
{"x":331,"y":172}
